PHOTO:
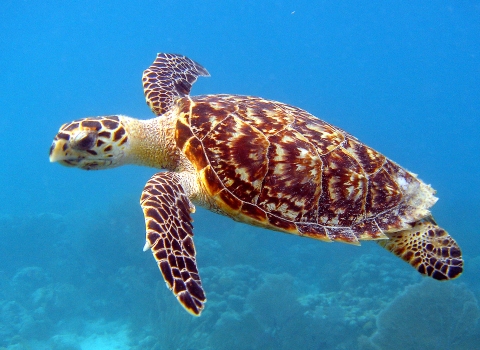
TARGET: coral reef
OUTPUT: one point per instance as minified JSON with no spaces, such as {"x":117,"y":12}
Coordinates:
{"x":90,"y":285}
{"x":429,"y":315}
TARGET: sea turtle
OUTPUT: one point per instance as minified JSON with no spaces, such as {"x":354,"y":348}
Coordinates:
{"x":257,"y":161}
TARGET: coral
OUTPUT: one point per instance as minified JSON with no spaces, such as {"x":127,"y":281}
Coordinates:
{"x":14,"y":319}
{"x":54,"y":302}
{"x":265,"y":291}
{"x":27,"y":280}
{"x":379,"y":275}
{"x":429,"y":315}
{"x":64,"y":342}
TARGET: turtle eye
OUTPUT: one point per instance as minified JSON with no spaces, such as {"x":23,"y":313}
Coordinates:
{"x":84,"y":140}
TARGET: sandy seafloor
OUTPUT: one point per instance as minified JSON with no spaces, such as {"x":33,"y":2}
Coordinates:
{"x":401,"y":76}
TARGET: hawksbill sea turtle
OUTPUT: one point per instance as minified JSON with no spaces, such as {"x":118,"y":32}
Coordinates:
{"x":257,"y":161}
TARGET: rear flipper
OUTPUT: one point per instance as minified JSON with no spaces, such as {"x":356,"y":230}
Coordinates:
{"x":428,"y":248}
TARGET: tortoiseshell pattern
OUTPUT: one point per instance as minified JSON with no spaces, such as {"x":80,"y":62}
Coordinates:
{"x":277,"y":166}
{"x":428,"y":248}
{"x":170,"y":236}
{"x":162,"y":90}
{"x":260,"y":162}
{"x":83,"y":140}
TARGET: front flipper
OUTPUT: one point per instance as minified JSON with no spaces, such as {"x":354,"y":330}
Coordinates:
{"x":169,"y":77}
{"x":170,"y":236}
{"x":428,"y":248}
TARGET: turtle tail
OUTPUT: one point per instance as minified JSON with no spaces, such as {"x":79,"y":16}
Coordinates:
{"x":428,"y":248}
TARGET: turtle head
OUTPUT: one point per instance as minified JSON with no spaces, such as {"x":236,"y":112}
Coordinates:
{"x":91,"y":143}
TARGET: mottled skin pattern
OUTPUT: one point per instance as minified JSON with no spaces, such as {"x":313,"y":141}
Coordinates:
{"x":260,"y":162}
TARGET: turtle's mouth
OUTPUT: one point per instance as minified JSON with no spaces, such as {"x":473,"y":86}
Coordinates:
{"x":88,"y":160}
{"x":86,"y":164}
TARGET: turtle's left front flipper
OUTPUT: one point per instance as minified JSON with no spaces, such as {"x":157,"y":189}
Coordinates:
{"x":428,"y":248}
{"x":167,"y":212}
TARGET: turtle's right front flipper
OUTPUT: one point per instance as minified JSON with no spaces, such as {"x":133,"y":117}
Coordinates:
{"x":167,"y":212}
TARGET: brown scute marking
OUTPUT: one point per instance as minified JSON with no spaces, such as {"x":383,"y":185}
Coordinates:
{"x":455,"y":252}
{"x":185,"y":274}
{"x":160,"y":255}
{"x":183,"y":108}
{"x":156,"y":242}
{"x":189,"y":303}
{"x":439,"y":275}
{"x":401,"y":250}
{"x":254,"y":212}
{"x":117,"y":135}
{"x":392,"y":219}
{"x":230,"y":200}
{"x":267,"y":116}
{"x":179,"y":286}
{"x":292,"y":186}
{"x":206,"y":114}
{"x":384,"y":193}
{"x":166,"y":272}
{"x":282,"y":224}
{"x":445,"y":251}
{"x":195,"y":290}
{"x":63,"y":136}
{"x":396,"y":171}
{"x":313,"y":231}
{"x":71,"y":126}
{"x":125,"y":139}
{"x":92,"y":124}
{"x":324,"y":136}
{"x":368,"y":230}
{"x":342,"y":234}
{"x":407,"y":256}
{"x":170,"y":234}
{"x":344,"y":187}
{"x":437,"y":255}
{"x":193,"y":149}
{"x":100,"y":142}
{"x":108,"y":149}
{"x":415,"y":262}
{"x":190,"y":265}
{"x":152,"y":213}
{"x":211,"y":180}
{"x":369,"y":159}
{"x":453,"y":272}
{"x":104,"y":134}
{"x":168,"y":78}
{"x":153,"y":236}
{"x":110,"y":124}
{"x":237,"y":154}
{"x":92,"y":152}
{"x":182,"y":134}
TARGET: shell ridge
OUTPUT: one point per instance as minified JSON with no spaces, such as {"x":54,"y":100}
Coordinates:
{"x":213,"y":127}
{"x":262,"y":183}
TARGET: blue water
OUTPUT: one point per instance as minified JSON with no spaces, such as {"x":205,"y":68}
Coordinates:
{"x":401,"y":76}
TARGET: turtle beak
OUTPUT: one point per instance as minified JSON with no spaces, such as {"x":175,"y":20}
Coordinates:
{"x":56,"y":151}
{"x":59,"y":153}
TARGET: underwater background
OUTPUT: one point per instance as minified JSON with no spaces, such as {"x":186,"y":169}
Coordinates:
{"x":402,"y":76}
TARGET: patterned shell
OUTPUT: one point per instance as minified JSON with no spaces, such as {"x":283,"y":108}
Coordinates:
{"x":277,"y":166}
